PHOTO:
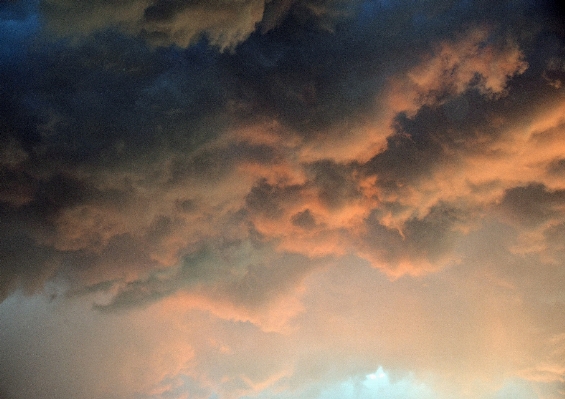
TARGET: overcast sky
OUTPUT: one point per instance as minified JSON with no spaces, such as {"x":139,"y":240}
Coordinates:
{"x":282,"y":199}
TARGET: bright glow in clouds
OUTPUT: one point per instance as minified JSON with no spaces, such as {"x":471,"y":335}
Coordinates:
{"x":312,"y":199}
{"x":374,"y":385}
{"x":379,"y":385}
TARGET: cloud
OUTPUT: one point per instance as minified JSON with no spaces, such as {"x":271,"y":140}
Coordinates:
{"x":351,"y":185}
{"x":97,"y":206}
{"x":455,"y":67}
{"x":240,"y":280}
{"x":224,"y":24}
{"x":532,"y":205}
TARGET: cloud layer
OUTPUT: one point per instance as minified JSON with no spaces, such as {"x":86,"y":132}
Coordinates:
{"x":274,"y":199}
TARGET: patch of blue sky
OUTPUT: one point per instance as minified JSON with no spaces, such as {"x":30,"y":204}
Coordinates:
{"x":379,"y":385}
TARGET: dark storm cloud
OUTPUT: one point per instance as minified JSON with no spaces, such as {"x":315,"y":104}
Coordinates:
{"x":109,"y":102}
{"x":83,"y":133}
{"x":73,"y":117}
{"x":33,"y":249}
{"x":93,"y":130}
{"x":184,"y":22}
{"x":311,"y":79}
{"x":123,"y":99}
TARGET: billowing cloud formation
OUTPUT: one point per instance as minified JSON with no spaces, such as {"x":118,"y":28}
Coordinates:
{"x":353,"y":186}
{"x":224,"y":23}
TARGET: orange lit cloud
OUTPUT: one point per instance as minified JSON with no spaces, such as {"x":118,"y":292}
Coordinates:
{"x":472,"y":61}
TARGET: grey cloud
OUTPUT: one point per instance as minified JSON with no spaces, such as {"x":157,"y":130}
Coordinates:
{"x":27,"y":256}
{"x":334,"y":182}
{"x":304,"y":219}
{"x":241,"y":272}
{"x":422,"y":243}
{"x":213,"y":164}
{"x":268,"y":199}
{"x":183,"y":22}
{"x":24,"y":264}
{"x":533,"y":204}
{"x":101,"y":263}
{"x":557,"y":167}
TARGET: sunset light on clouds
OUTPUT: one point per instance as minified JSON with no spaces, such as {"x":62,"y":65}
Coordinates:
{"x":312,"y":199}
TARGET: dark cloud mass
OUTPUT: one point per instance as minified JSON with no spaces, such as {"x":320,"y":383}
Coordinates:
{"x":241,"y":165}
{"x":223,"y":23}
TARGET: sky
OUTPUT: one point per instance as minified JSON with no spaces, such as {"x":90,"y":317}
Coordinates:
{"x":282,"y":199}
